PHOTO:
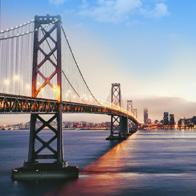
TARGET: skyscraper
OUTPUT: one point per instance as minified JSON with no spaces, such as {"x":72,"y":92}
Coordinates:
{"x":145,"y":116}
{"x":165,"y":118}
{"x":172,"y":119}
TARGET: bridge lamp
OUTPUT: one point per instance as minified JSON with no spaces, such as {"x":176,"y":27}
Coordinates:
{"x":66,"y":95}
{"x":107,"y":104}
{"x":27,"y":86}
{"x":56,"y":90}
{"x":42,"y":90}
{"x":86,"y":99}
{"x":101,"y":101}
{"x":114,"y":106}
{"x":68,"y":92}
{"x":90,"y":99}
{"x":6,"y":82}
{"x":82,"y":97}
{"x":74,"y":97}
{"x":16,"y":78}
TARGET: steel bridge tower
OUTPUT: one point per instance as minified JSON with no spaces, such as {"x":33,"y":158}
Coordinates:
{"x":119,"y":124}
{"x":131,"y":126}
{"x":56,"y":153}
{"x":129,"y":109}
{"x":130,"y":105}
{"x":45,"y":156}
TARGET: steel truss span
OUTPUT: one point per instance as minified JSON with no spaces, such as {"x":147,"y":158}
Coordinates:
{"x":10,"y":104}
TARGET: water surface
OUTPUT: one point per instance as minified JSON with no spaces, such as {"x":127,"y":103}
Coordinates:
{"x":148,"y":163}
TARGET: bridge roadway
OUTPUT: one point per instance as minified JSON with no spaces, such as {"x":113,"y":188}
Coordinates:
{"x":17,"y":104}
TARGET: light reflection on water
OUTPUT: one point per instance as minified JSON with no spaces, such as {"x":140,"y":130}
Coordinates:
{"x":111,"y":161}
{"x":99,"y":177}
{"x":148,"y":163}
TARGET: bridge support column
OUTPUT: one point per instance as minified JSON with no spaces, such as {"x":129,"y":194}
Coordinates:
{"x":123,"y":127}
{"x":132,"y":127}
{"x":119,"y":124}
{"x":45,"y":158}
{"x":119,"y":128}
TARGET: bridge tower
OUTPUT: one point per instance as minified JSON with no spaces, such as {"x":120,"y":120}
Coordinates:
{"x":130,"y":105}
{"x":119,"y":124}
{"x":129,"y":109}
{"x":45,"y":156}
{"x":135,"y":112}
{"x":131,"y":126}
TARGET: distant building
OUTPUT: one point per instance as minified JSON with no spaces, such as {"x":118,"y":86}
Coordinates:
{"x":172,"y":119}
{"x":166,"y":118}
{"x":193,"y":120}
{"x":187,"y":122}
{"x":149,"y":121}
{"x":145,"y":116}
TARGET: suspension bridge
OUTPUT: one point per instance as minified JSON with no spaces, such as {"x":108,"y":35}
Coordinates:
{"x":41,"y":77}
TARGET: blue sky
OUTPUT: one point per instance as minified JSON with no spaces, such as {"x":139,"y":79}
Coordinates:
{"x":146,"y":45}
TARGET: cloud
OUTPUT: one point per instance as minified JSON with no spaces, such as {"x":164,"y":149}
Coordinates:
{"x":57,"y":2}
{"x":159,"y":10}
{"x":110,"y":10}
{"x":121,"y":10}
{"x":125,"y":6}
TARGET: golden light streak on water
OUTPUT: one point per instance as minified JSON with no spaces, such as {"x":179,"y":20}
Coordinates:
{"x":102,"y":176}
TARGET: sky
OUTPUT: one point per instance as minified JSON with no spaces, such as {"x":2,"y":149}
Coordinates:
{"x":146,"y":45}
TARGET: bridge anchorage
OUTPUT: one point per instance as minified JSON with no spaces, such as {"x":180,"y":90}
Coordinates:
{"x":50,"y":151}
{"x":54,"y":77}
{"x":121,"y":126}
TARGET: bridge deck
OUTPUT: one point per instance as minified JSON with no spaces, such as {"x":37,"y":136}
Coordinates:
{"x":23,"y":104}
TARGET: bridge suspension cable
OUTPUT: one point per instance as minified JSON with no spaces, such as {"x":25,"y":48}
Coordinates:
{"x":16,"y":27}
{"x":16,"y":48}
{"x":78,"y":68}
{"x":15,"y":56}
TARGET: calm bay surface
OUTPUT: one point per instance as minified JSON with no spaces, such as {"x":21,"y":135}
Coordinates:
{"x":148,"y":163}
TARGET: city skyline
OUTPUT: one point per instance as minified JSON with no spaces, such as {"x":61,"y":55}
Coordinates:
{"x":134,"y":42}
